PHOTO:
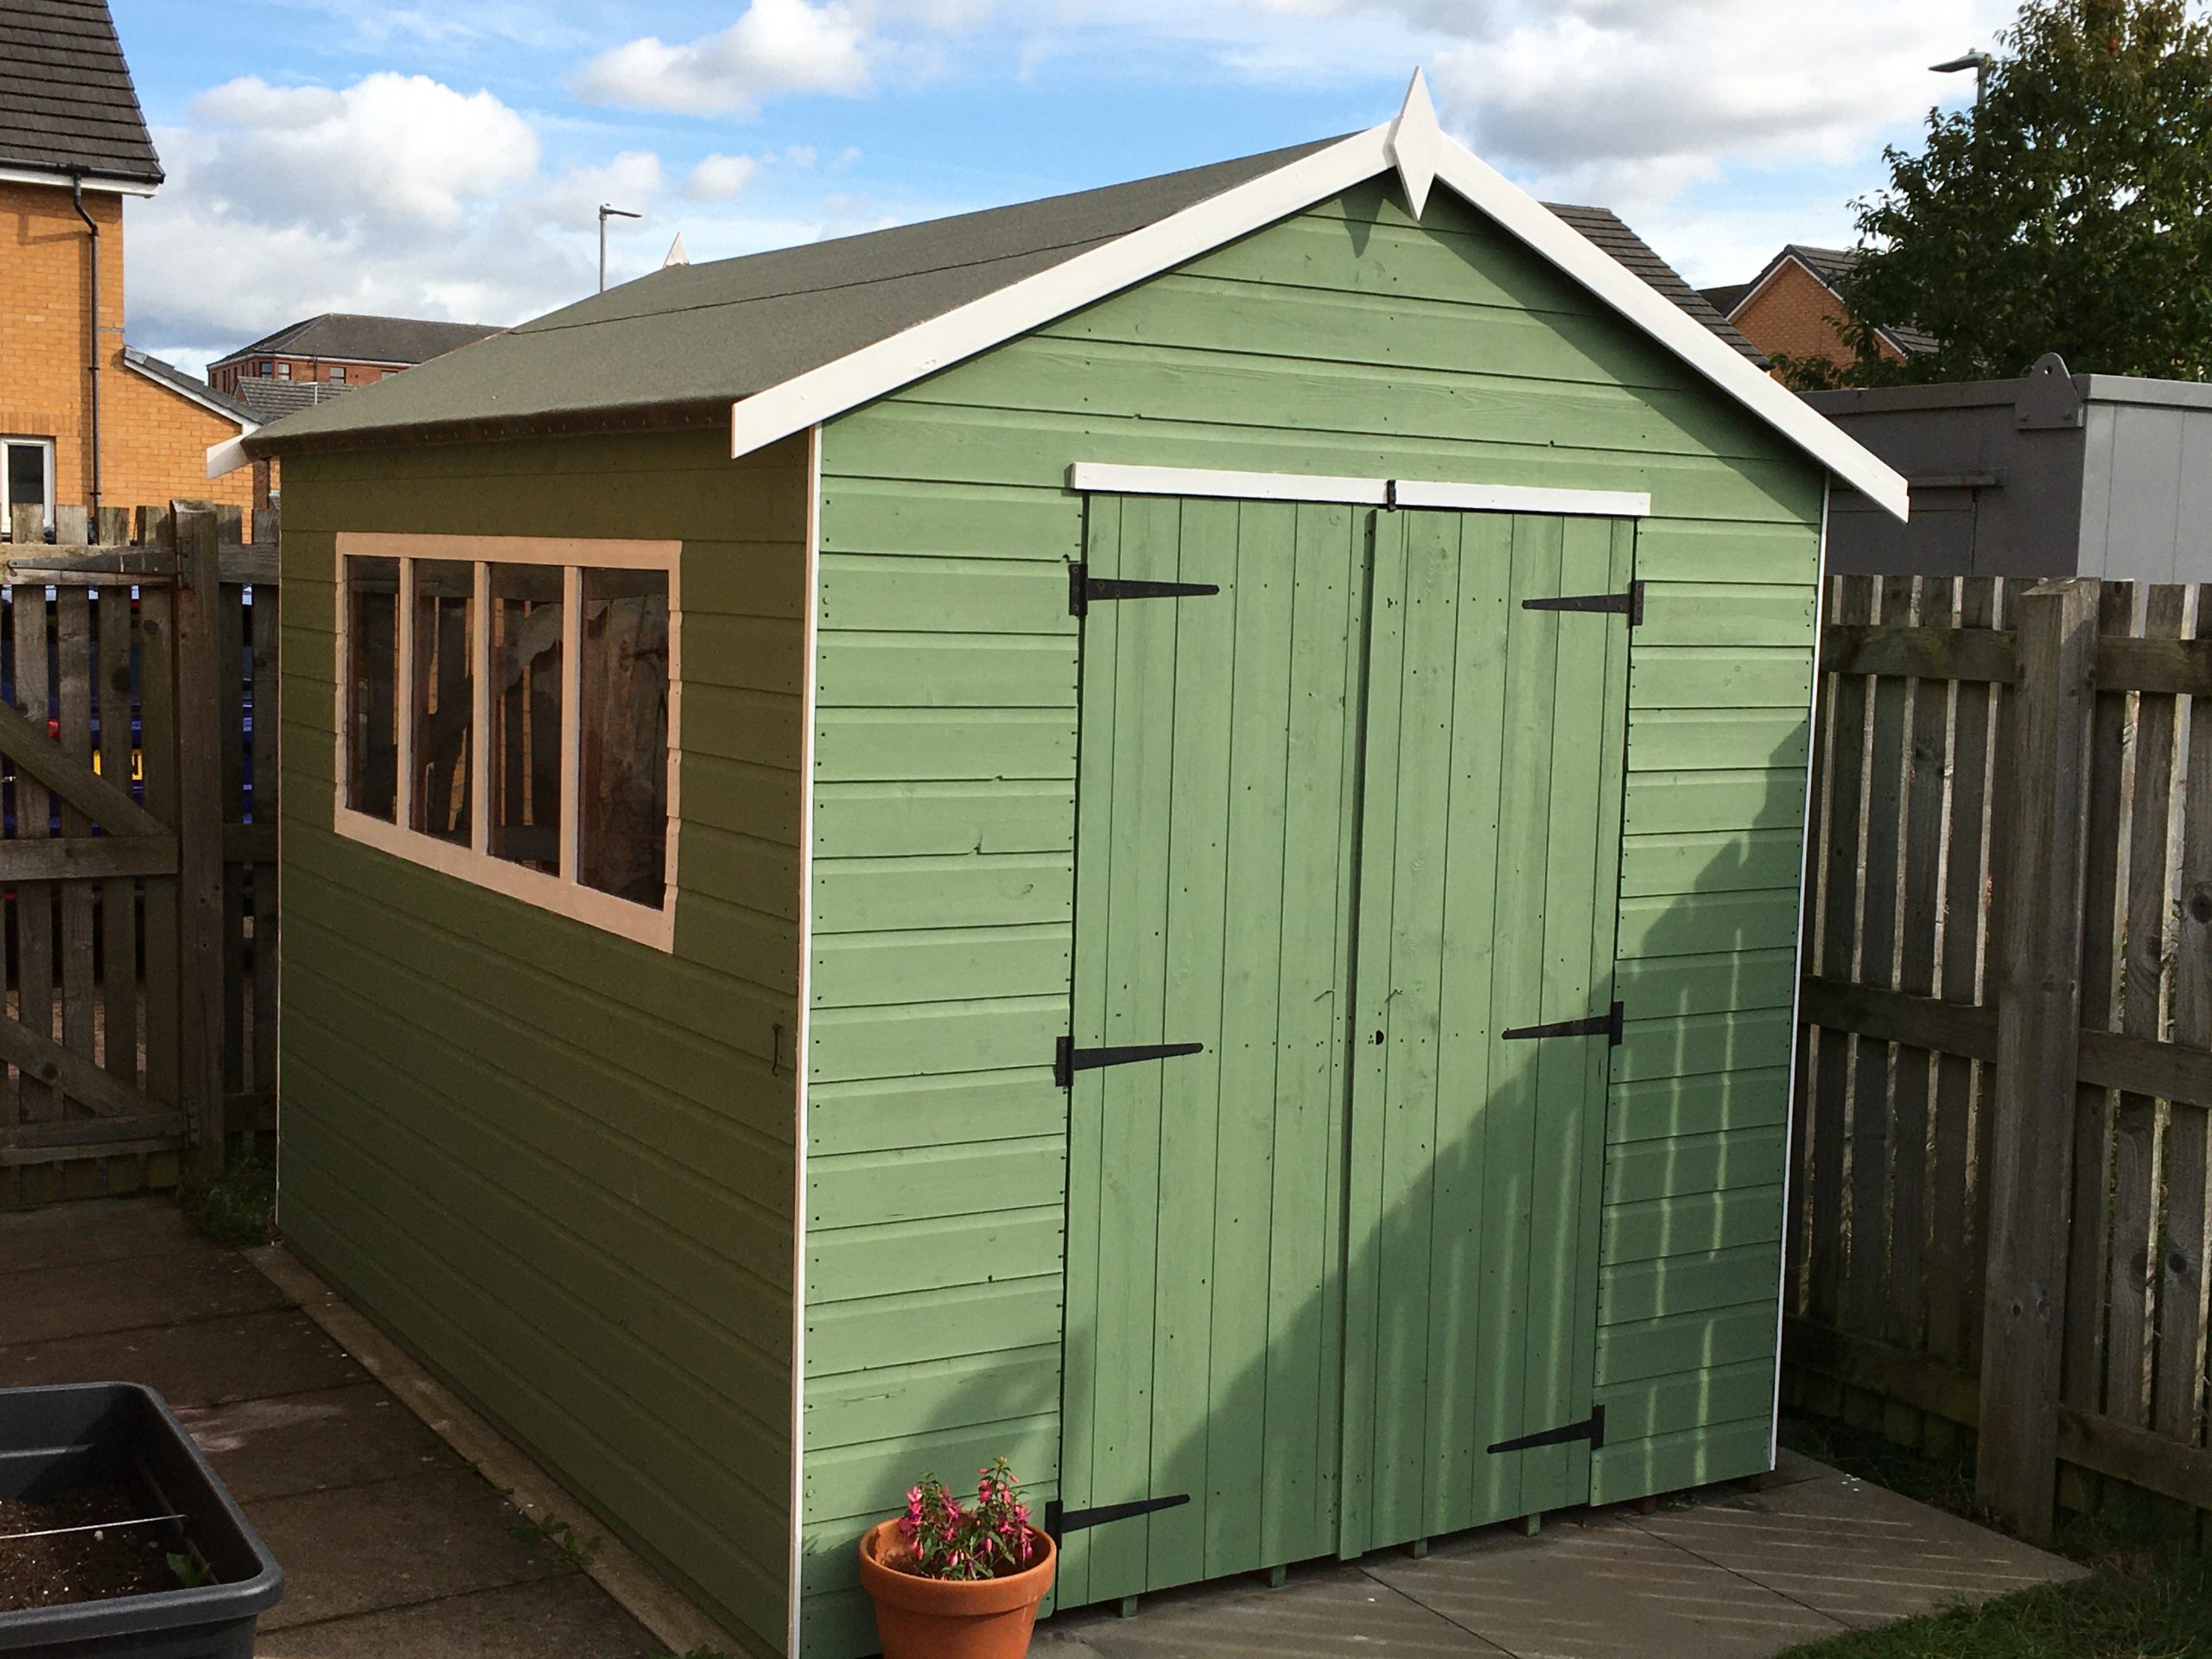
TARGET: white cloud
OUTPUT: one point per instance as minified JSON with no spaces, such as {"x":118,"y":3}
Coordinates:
{"x":777,"y":46}
{"x":717,"y":178}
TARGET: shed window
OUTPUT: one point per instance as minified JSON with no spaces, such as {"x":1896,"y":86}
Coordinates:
{"x":507,"y":714}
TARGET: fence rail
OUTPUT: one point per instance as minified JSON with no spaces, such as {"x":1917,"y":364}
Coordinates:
{"x":2000,"y":1148}
{"x":137,"y":875}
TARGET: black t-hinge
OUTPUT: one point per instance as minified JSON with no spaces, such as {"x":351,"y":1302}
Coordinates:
{"x":1630,"y":604}
{"x":1059,"y":1521}
{"x":1084,"y":588}
{"x":1608,"y":1023}
{"x":1068,"y":1059}
{"x":1591,"y":1428}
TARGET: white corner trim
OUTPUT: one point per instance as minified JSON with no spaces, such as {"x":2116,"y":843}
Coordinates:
{"x":243,"y":422}
{"x":227,"y":456}
{"x":803,"y":1030}
{"x":859,"y":377}
{"x":909,"y":355}
{"x":1105,"y":477}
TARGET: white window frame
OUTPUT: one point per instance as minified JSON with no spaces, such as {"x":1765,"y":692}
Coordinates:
{"x":564,"y":894}
{"x":7,"y":504}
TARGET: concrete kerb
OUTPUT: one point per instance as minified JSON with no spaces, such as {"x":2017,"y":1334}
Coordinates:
{"x":638,"y":1587}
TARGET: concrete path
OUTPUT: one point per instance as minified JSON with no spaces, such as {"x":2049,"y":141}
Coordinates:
{"x":392,"y":1547}
{"x":1738,"y":1574}
{"x":396,"y":1548}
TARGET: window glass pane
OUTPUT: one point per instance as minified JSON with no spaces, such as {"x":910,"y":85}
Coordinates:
{"x":372,"y":687}
{"x":443,"y":695}
{"x":622,"y":799}
{"x":525,"y":736}
{"x":25,"y":473}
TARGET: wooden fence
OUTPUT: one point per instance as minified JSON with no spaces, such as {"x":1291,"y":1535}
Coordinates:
{"x":1998,"y":1215}
{"x":138,"y":847}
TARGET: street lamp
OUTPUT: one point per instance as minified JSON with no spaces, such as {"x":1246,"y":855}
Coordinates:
{"x":606,"y":213}
{"x":1981,"y":62}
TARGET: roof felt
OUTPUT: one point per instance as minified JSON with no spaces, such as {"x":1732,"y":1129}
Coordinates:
{"x":686,"y":341}
{"x":66,"y":100}
{"x":346,"y":337}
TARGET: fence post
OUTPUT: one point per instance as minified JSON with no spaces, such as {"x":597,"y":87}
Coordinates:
{"x":2039,"y":1022}
{"x":198,"y":713}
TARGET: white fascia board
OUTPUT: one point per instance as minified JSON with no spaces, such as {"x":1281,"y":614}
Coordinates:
{"x":1546,"y":234}
{"x":1106,"y":477}
{"x":822,"y":394}
{"x":922,"y":350}
{"x":236,"y":419}
{"x":227,"y":456}
{"x":63,"y":181}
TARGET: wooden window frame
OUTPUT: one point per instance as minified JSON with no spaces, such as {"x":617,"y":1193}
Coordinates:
{"x":563,"y":895}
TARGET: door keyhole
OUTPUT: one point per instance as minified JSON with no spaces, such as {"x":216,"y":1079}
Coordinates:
{"x":1376,"y":1039}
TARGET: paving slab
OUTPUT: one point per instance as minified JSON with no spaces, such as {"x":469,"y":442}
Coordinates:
{"x":203,"y":1362}
{"x":1599,"y":1588}
{"x":59,"y":1236}
{"x":310,"y":1442}
{"x":570,"y":1616}
{"x":397,"y":1542}
{"x":1321,"y":1613}
{"x":83,"y":1298}
{"x":1859,"y":1553}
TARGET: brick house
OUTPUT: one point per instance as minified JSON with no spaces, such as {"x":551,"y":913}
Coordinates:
{"x":339,"y":348}
{"x":1792,"y":309}
{"x":84,"y":418}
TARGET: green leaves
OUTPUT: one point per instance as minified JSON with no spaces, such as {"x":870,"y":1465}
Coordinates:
{"x":2071,"y":211}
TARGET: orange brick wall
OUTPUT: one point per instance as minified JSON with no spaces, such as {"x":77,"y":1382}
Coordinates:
{"x":304,"y":369}
{"x":152,"y":441}
{"x":1794,"y":313}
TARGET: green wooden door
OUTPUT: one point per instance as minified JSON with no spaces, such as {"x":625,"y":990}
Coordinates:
{"x":1213,"y":874}
{"x":1489,"y":872}
{"x":1304,"y":1269}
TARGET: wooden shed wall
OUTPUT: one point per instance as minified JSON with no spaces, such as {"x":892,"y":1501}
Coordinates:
{"x":557,"y":1163}
{"x":1347,"y":339}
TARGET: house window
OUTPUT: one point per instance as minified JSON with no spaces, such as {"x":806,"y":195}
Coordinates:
{"x":26,"y":476}
{"x":283,"y":371}
{"x":338,"y":373}
{"x":506,"y":714}
{"x":265,"y":368}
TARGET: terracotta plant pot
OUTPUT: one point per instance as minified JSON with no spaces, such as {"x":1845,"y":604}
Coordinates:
{"x":942,"y":1618}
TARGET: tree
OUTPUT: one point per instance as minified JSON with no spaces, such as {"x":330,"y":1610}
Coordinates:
{"x":2069,"y":211}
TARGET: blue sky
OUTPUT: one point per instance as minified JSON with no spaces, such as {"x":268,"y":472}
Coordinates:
{"x":444,"y":159}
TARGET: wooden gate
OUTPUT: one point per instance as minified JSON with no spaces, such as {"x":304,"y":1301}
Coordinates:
{"x":137,"y":960}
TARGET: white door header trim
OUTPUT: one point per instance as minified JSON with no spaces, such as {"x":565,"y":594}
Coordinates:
{"x":1105,"y":477}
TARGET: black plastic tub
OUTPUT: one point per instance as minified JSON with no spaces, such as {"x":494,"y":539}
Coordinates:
{"x":55,"y":1439}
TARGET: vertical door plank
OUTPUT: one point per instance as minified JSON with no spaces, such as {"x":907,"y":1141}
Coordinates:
{"x":265,"y":622}
{"x":1369,"y":1379}
{"x":1842,"y":862}
{"x":1463,"y":1081}
{"x":1196,"y":718}
{"x":2181,"y":1260}
{"x":34,"y":808}
{"x":157,"y":743}
{"x":1080,"y":1362}
{"x":1253,"y":1093}
{"x":1950,"y":1264}
{"x":230,"y":628}
{"x":2135,"y":1126}
{"x":1560,"y":1170}
{"x":11,"y":1105}
{"x":119,"y":896}
{"x":2091,"y":1236}
{"x":1135,"y":928}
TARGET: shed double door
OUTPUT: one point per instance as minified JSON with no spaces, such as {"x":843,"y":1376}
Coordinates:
{"x":1342,"y":824}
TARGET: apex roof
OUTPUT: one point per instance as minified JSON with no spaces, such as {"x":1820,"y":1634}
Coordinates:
{"x":66,"y":103}
{"x":779,"y":341}
{"x":1828,"y":266}
{"x":346,"y":336}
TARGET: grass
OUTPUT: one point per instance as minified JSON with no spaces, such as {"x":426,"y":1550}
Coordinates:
{"x":237,"y":1209}
{"x":2147,"y":1597}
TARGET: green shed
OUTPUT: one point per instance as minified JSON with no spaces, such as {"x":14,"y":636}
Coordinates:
{"x":1158,"y":831}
